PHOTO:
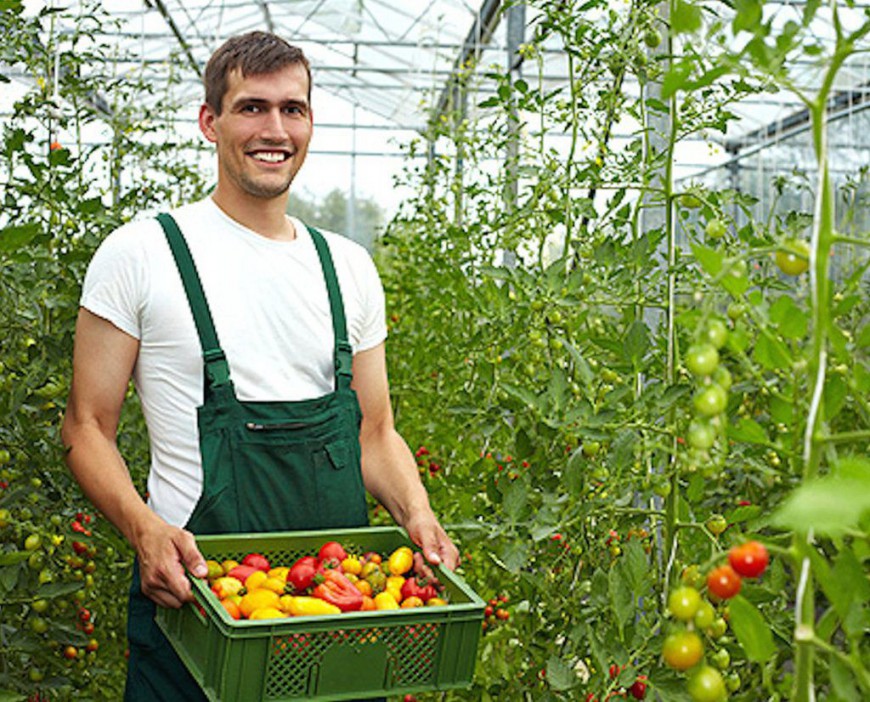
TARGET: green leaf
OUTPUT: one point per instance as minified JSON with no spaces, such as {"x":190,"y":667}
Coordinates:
{"x":711,"y":260}
{"x":621,"y":597}
{"x":771,"y":353}
{"x":514,"y":555}
{"x":13,"y":557}
{"x":748,"y":17}
{"x":751,"y":630}
{"x":843,"y":682}
{"x":829,"y":505}
{"x":675,"y":78}
{"x":636,"y":342}
{"x":12,"y":238}
{"x":743,"y":514}
{"x":835,"y":394}
{"x":515,"y":501}
{"x":634,"y":566}
{"x":575,"y":472}
{"x":847,"y":583}
{"x":560,"y":675}
{"x":10,"y":695}
{"x":686,"y":17}
{"x":748,"y":430}
{"x":51,"y":590}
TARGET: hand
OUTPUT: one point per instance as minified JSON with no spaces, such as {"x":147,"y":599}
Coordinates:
{"x":165,"y":552}
{"x":425,"y":531}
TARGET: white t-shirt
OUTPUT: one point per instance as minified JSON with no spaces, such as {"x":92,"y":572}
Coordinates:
{"x":271,"y":311}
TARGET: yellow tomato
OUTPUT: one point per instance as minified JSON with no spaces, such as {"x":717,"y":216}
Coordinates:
{"x":385,"y":600}
{"x":226,"y":586}
{"x":351,"y":565}
{"x":215,"y":570}
{"x":395,"y":592}
{"x":400,"y":560}
{"x":369,"y":568}
{"x":395,"y":581}
{"x":412,"y":601}
{"x":304,"y":606}
{"x":267,"y":613}
{"x":255,"y":580}
{"x":280,"y":573}
{"x":274,"y":584}
{"x":258,"y":599}
{"x":435,"y":602}
{"x":228,"y":565}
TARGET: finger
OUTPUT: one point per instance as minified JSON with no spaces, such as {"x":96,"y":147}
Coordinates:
{"x":191,"y":558}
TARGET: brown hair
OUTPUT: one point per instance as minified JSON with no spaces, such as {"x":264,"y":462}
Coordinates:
{"x":254,"y":53}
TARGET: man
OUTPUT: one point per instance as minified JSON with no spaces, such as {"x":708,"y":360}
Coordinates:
{"x":257,"y":350}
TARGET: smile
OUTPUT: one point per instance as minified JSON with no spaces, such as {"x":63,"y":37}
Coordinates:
{"x":270,"y":156}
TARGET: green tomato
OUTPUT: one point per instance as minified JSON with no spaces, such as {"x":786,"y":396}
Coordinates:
{"x":701,"y":435}
{"x":702,"y":359}
{"x":793,"y":257}
{"x":722,"y":377}
{"x":716,"y":332}
{"x":716,"y":524}
{"x":682,"y":650}
{"x":5,"y":457}
{"x":715,"y":229}
{"x":683,"y":602}
{"x":591,"y":448}
{"x":705,"y":616}
{"x":706,"y":685}
{"x":652,"y":38}
{"x":721,"y":658}
{"x":32,"y":542}
{"x":736,"y":310}
{"x":711,"y":400}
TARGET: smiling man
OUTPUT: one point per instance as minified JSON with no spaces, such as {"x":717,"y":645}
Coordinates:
{"x":256,"y":345}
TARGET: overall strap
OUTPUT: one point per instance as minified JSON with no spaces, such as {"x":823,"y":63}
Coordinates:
{"x":343,"y":353}
{"x":217,"y":370}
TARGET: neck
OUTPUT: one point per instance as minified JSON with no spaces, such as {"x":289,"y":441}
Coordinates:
{"x":265,"y":216}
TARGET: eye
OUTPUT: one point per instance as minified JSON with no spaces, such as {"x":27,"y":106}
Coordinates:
{"x":250,"y":108}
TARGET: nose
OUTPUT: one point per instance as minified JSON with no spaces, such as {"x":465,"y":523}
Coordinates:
{"x":272,"y":125}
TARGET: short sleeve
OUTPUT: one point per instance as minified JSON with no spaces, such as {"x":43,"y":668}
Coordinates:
{"x":373,"y":327}
{"x":115,"y":282}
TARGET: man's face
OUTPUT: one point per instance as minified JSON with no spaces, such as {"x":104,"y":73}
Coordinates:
{"x":262,"y":133}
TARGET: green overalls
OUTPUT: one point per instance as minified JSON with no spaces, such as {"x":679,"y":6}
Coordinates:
{"x":267,"y":466}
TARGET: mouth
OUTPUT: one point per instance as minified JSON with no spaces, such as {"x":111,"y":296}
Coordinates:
{"x":270,"y":155}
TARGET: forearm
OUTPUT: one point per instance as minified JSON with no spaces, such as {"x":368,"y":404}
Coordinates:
{"x":102,"y":474}
{"x":390,"y":474}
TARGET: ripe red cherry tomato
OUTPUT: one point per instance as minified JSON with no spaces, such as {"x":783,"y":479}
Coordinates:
{"x":750,"y":559}
{"x":723,"y":582}
{"x":638,"y":688}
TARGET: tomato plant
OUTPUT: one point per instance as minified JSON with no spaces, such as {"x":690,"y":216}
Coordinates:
{"x":749,"y":559}
{"x":723,"y":582}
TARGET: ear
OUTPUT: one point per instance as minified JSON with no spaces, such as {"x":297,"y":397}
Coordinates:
{"x":207,"y":119}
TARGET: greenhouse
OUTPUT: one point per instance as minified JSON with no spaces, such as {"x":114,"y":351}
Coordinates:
{"x":563,"y":393}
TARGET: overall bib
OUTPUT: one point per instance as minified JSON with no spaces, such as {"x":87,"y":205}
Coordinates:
{"x":267,"y":466}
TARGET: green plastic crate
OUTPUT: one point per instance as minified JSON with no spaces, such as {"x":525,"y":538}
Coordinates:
{"x":347,"y":656}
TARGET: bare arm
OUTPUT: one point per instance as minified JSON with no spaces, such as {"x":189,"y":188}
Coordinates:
{"x":103,"y":361}
{"x":389,"y":469}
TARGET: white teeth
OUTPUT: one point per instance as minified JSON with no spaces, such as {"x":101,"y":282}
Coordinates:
{"x":270,"y":156}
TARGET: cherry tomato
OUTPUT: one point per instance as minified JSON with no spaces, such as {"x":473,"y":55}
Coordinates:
{"x":683,"y":602}
{"x":793,"y":257}
{"x":711,"y":401}
{"x":701,"y":435}
{"x":715,"y":229}
{"x":705,"y":615}
{"x":723,"y":582}
{"x":638,"y":688}
{"x":330,"y":550}
{"x":716,"y":524}
{"x":682,"y":649}
{"x":716,"y":332}
{"x":749,"y":559}
{"x":652,"y":38}
{"x":702,"y":359}
{"x":706,"y":685}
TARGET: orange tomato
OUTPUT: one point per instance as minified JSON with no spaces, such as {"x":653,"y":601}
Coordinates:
{"x":368,"y":604}
{"x":412,"y":601}
{"x":365,"y":587}
{"x":232,"y":608}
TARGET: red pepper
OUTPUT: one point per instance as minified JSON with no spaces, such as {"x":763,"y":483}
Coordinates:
{"x":302,"y":573}
{"x":336,"y":589}
{"x":418,"y":587}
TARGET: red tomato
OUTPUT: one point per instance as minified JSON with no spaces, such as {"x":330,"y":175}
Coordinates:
{"x":330,"y":550}
{"x":723,"y":582}
{"x":302,"y":572}
{"x":256,"y":560}
{"x":242,"y":572}
{"x":750,"y":559}
{"x":638,"y":688}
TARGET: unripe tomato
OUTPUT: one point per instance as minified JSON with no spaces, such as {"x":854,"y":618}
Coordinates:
{"x":716,"y":332}
{"x":793,"y":257}
{"x":721,"y":658}
{"x":652,"y":38}
{"x":32,"y":542}
{"x":702,"y":359}
{"x":682,"y":649}
{"x":715,"y":229}
{"x":705,"y":616}
{"x":749,"y":559}
{"x":701,"y":435}
{"x":711,"y":401}
{"x":706,"y":685}
{"x":716,"y":524}
{"x":683,"y":602}
{"x":723,"y":582}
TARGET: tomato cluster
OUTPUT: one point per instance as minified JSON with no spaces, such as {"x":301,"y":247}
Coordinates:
{"x":496,"y":611}
{"x":331,"y":582}
{"x":683,"y":647}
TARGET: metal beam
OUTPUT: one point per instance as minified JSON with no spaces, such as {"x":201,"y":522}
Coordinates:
{"x":480,"y":33}
{"x":267,"y":16}
{"x":182,"y":42}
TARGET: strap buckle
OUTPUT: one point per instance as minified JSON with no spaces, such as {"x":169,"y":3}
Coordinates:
{"x":343,"y":359}
{"x":217,"y":370}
